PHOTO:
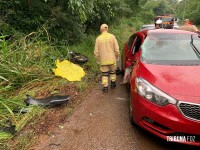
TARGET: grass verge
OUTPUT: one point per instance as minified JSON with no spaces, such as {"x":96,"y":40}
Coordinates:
{"x":26,"y":68}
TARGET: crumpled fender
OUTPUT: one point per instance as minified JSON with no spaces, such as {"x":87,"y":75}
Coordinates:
{"x":48,"y":101}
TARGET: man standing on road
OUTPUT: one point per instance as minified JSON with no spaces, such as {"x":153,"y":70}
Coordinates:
{"x":187,"y":26}
{"x":107,"y":53}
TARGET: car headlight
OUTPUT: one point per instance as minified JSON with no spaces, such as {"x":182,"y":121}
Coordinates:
{"x":153,"y":94}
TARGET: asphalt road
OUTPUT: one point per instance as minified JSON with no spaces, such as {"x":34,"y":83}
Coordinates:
{"x":101,"y":122}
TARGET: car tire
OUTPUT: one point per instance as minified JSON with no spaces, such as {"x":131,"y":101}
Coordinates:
{"x":122,"y":64}
{"x":131,"y":109}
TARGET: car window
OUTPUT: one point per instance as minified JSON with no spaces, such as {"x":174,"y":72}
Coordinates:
{"x":137,"y":45}
{"x":167,"y":19}
{"x":131,"y":40}
{"x":170,"y":48}
{"x":196,"y":41}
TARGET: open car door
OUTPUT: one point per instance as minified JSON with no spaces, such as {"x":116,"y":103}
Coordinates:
{"x":130,"y":54}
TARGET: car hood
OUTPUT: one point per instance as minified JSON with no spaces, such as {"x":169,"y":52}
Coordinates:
{"x":180,"y":82}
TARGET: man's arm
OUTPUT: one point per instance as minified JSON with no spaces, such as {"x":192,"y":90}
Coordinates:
{"x":116,"y":48}
{"x":96,"y":51}
{"x":195,"y":28}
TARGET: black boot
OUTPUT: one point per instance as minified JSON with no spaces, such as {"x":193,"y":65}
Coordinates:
{"x":105,"y":89}
{"x":113,"y":84}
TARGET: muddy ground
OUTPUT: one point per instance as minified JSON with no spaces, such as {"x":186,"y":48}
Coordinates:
{"x":100,"y":122}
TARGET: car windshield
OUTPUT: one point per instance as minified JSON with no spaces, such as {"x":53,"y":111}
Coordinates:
{"x":167,"y":19}
{"x":170,"y":48}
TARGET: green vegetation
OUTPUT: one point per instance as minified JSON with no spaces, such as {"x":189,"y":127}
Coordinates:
{"x":189,"y":9}
{"x":45,"y":30}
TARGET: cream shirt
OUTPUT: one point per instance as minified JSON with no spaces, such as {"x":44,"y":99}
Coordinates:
{"x":106,"y":49}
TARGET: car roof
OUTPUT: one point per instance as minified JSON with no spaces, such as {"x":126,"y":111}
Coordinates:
{"x":161,"y":31}
{"x":170,"y":31}
{"x":147,"y":25}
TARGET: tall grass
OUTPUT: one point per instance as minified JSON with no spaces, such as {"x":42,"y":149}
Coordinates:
{"x":26,"y":64}
{"x":23,"y":61}
{"x":26,"y":61}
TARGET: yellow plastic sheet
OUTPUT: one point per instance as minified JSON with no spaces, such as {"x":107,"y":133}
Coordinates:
{"x":68,"y":70}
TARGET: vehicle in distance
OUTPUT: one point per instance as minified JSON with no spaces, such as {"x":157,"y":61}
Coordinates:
{"x":147,"y":27}
{"x":167,"y":21}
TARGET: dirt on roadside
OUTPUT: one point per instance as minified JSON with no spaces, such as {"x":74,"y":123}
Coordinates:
{"x":99,"y":122}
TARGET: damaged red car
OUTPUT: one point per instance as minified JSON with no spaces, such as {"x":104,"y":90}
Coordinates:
{"x":162,"y":68}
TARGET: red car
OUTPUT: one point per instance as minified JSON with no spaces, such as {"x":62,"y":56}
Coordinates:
{"x":164,"y":81}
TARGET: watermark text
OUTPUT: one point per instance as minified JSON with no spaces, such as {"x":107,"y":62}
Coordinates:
{"x":180,"y":138}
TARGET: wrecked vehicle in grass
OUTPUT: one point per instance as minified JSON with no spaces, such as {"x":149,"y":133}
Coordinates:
{"x":162,"y":70}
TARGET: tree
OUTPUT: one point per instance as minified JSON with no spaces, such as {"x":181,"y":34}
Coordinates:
{"x":189,"y":9}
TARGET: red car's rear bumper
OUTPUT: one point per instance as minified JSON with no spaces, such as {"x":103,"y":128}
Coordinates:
{"x":165,"y":121}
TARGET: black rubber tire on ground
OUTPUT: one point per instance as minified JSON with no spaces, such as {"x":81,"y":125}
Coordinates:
{"x":77,"y":58}
{"x":81,"y":59}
